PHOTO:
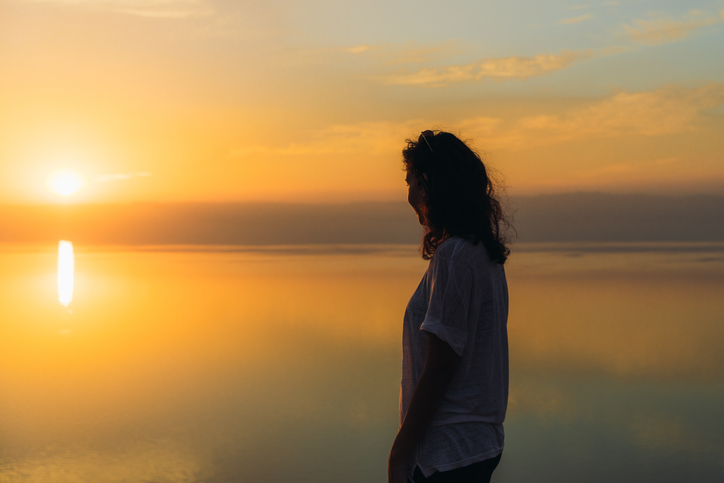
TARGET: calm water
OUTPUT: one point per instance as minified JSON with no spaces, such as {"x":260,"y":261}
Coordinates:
{"x":283,"y":365}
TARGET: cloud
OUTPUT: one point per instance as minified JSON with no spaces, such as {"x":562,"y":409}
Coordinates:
{"x":665,"y":111}
{"x":436,"y":77}
{"x":522,"y":67}
{"x":359,"y":49}
{"x":505,"y":68}
{"x":105,"y":178}
{"x":407,"y":52}
{"x":664,"y":29}
{"x":146,"y":8}
{"x":570,"y":21}
{"x":367,"y":137}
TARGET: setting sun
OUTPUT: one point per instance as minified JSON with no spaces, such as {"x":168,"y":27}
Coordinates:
{"x":65,"y":181}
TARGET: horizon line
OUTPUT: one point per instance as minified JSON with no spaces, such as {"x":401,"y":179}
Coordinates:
{"x":65,"y":203}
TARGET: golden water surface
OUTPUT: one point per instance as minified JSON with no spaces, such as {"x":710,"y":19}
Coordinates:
{"x":190,"y":364}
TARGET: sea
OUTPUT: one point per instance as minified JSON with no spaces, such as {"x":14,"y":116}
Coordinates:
{"x":255,"y":364}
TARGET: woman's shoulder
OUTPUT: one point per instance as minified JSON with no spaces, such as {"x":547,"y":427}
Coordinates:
{"x":461,"y":251}
{"x":459,"y":248}
{"x":456,"y":244}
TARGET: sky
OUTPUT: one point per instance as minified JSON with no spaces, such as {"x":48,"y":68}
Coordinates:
{"x":311,"y":101}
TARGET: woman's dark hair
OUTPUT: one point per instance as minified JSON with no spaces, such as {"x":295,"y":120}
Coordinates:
{"x":459,"y":197}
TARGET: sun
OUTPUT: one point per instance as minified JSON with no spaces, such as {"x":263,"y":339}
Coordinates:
{"x":65,"y":181}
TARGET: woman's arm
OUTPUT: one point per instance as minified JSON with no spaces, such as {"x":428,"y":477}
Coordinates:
{"x":440,"y":365}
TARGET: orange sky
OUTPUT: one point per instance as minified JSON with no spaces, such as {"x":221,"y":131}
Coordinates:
{"x":199,"y":100}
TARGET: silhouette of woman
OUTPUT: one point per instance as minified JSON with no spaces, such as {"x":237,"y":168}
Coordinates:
{"x":455,"y":344}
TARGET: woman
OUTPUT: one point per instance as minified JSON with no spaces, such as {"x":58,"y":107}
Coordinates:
{"x":455,"y":344}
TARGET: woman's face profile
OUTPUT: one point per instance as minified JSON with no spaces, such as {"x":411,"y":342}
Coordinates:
{"x":415,"y":196}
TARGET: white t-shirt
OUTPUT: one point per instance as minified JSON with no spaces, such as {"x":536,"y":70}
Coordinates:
{"x":463,"y":300}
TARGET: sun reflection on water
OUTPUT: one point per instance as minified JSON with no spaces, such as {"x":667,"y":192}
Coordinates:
{"x":66,"y":263}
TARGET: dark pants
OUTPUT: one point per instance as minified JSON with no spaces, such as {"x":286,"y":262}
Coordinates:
{"x":479,"y":472}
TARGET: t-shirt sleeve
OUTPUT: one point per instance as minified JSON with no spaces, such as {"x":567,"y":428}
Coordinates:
{"x":449,"y":301}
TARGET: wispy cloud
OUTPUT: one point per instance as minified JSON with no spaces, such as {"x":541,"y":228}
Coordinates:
{"x":407,"y":52}
{"x":436,"y":77}
{"x":665,"y":111}
{"x":570,"y":21}
{"x":366,"y":137}
{"x":145,"y":8}
{"x":662,"y":29}
{"x":522,"y":67}
{"x":105,"y":178}
{"x":505,"y":68}
{"x":359,"y":49}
